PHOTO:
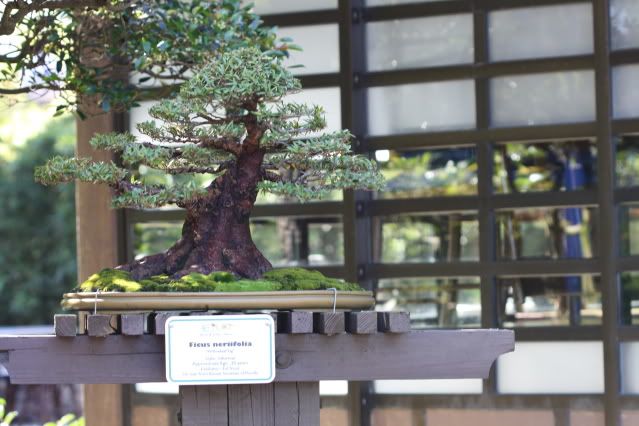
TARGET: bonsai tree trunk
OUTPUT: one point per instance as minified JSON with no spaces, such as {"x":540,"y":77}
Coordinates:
{"x":216,"y":235}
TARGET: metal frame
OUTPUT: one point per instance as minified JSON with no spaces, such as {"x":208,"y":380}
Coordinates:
{"x":357,"y":209}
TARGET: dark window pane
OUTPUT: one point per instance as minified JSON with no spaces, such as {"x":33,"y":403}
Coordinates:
{"x":433,"y":302}
{"x":553,"y":233}
{"x":428,"y":173}
{"x":545,"y":166}
{"x":287,"y":241}
{"x":549,"y":301}
{"x":426,"y":238}
{"x":630,"y":297}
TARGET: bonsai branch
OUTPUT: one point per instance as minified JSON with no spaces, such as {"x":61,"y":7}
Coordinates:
{"x":15,"y":11}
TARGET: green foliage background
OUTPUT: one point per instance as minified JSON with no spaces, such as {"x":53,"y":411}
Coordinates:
{"x":37,"y":230}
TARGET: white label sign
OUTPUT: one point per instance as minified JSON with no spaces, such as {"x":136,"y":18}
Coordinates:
{"x":220,"y":349}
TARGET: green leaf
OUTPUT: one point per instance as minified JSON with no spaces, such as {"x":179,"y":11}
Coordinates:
{"x":294,"y":47}
{"x":9,"y":418}
{"x":65,"y":420}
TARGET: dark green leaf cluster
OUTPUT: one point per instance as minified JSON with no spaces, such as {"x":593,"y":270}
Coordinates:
{"x":162,"y":41}
{"x":37,"y":229}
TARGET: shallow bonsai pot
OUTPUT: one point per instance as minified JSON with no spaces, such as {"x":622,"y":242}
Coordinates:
{"x":200,"y":301}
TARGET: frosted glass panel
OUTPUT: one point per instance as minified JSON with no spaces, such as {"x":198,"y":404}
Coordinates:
{"x":157,"y":388}
{"x":625,"y":91}
{"x":624,"y":24}
{"x":630,"y":367}
{"x":321,"y":48}
{"x":138,"y":115}
{"x":333,"y":387}
{"x":423,"y":107}
{"x":552,"y":367}
{"x":425,"y":387}
{"x":329,"y":98}
{"x":540,"y":32}
{"x":543,"y":98}
{"x":266,"y":7}
{"x":421,"y":42}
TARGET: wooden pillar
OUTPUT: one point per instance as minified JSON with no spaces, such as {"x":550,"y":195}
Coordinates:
{"x":275,"y":404}
{"x":97,"y":248}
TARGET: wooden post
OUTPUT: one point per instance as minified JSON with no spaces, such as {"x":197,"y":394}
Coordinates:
{"x":275,"y":404}
{"x":97,"y":247}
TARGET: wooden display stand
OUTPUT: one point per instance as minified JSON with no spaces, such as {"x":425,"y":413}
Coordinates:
{"x":309,"y":347}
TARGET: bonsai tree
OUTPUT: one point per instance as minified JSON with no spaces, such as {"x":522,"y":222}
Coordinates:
{"x":230,"y":121}
{"x":83,"y":50}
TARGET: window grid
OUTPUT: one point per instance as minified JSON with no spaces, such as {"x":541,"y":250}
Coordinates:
{"x":358,"y":208}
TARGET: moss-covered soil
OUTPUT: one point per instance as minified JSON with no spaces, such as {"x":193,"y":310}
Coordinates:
{"x":275,"y":280}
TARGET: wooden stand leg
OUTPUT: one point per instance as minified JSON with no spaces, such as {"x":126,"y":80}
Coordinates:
{"x":279,"y":404}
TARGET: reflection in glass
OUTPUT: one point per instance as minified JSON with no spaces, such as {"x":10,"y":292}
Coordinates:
{"x":269,"y":198}
{"x":630,"y":297}
{"x":625,"y":91}
{"x":545,"y":233}
{"x":428,"y":173}
{"x":433,"y":302}
{"x":559,"y":97}
{"x":533,"y":32}
{"x":285,"y":241}
{"x":627,"y":161}
{"x":549,"y":301}
{"x":154,"y":237}
{"x":320,"y":44}
{"x":629,"y":229}
{"x":422,"y":107}
{"x":419,"y":42}
{"x":544,"y":166}
{"x":624,"y":24}
{"x":426,"y":238}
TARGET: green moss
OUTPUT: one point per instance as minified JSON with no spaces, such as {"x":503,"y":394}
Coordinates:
{"x":249,"y":285}
{"x":303,"y":279}
{"x":280,"y":279}
{"x":111,"y":280}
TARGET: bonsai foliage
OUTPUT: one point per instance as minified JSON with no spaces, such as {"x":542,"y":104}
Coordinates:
{"x":230,"y":121}
{"x":84,"y":49}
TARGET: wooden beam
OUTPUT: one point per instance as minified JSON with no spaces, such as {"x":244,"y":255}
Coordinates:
{"x":97,"y":248}
{"x":96,"y":221}
{"x":65,"y":325}
{"x":428,"y":354}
